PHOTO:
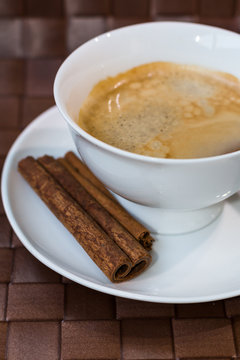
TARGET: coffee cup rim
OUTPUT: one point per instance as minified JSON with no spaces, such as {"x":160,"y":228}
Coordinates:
{"x":113,"y":149}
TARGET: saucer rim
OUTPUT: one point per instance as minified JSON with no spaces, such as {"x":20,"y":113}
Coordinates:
{"x":113,"y":290}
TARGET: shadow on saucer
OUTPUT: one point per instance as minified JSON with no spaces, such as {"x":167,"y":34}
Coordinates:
{"x":171,"y":250}
{"x":234,"y":201}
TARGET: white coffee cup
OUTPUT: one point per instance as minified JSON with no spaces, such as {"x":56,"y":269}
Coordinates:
{"x":168,"y":195}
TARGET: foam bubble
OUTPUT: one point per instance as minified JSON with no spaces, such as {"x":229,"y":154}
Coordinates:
{"x":156,"y":107}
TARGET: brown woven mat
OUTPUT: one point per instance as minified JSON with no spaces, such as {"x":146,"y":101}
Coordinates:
{"x":42,"y":315}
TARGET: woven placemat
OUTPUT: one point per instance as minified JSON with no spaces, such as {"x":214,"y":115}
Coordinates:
{"x":43,"y":315}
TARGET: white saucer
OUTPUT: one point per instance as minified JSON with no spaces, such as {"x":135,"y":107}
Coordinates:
{"x":195,"y":267}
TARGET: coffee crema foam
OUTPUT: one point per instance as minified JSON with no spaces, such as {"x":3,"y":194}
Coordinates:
{"x":166,"y":110}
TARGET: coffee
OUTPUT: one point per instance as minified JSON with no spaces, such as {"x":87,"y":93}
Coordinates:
{"x":166,"y":110}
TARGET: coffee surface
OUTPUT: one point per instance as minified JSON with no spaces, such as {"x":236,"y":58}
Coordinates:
{"x":166,"y":110}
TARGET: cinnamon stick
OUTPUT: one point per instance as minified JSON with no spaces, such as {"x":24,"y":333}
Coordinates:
{"x":84,"y":171}
{"x":73,"y":164}
{"x":109,"y":257}
{"x":109,"y":224}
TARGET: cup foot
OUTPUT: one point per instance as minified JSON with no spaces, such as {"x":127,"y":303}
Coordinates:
{"x":170,"y":222}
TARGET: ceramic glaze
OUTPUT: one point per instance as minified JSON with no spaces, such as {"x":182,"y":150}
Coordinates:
{"x":175,"y":185}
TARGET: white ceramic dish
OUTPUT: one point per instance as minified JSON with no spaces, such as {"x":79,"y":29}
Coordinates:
{"x":186,"y":192}
{"x":195,"y":267}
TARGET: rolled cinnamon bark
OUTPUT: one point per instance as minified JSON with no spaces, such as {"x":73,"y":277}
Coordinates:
{"x":71,"y":162}
{"x":84,"y":171}
{"x":109,"y":224}
{"x":115,"y":264}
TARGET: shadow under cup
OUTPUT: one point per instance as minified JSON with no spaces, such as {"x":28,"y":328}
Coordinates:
{"x":169,"y":196}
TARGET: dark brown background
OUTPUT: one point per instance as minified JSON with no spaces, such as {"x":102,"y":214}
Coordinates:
{"x":42,"y":315}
